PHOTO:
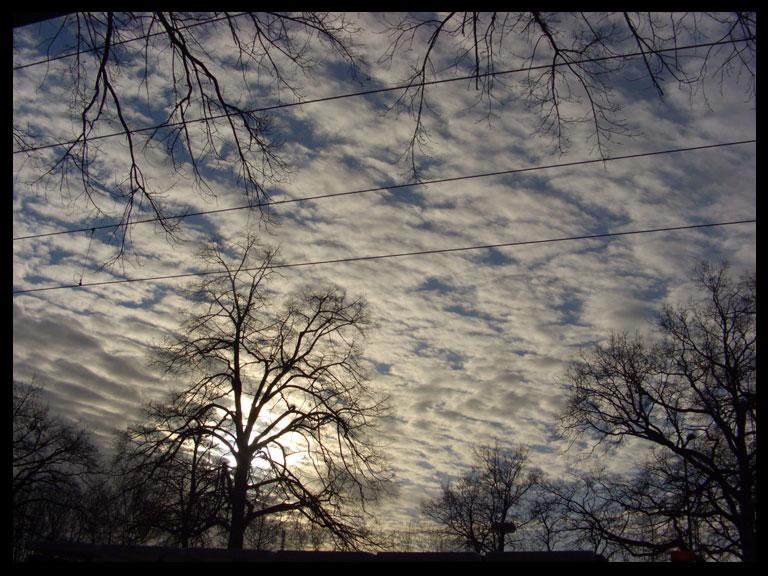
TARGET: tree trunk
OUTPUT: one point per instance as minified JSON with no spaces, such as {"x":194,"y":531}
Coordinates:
{"x":747,"y":530}
{"x":237,"y":523}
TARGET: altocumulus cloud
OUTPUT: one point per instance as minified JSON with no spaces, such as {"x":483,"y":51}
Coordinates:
{"x":468,"y":344}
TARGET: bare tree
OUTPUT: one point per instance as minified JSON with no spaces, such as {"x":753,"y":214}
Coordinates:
{"x":569,"y":64}
{"x":178,"y":488}
{"x":547,"y":529}
{"x":483,"y":507}
{"x":51,"y":460}
{"x":589,"y":510}
{"x":165,"y":83}
{"x":283,"y":392}
{"x":691,"y":396}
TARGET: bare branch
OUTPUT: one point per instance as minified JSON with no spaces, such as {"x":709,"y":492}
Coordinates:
{"x":282,"y":392}
{"x":691,"y":396}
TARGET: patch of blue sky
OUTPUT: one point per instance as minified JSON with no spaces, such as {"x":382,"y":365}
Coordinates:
{"x":47,"y":38}
{"x":570,"y":312}
{"x":434,"y":284}
{"x":58,"y":256}
{"x":38,"y":218}
{"x":494,"y":257}
{"x":490,"y":322}
{"x":299,"y":129}
{"x":409,"y":195}
{"x":451,"y":358}
{"x":382,"y":368}
{"x":147,"y":300}
{"x":203,"y":225}
{"x":650,"y":289}
{"x":344,"y":77}
{"x":501,"y":430}
{"x":376,"y":177}
{"x":36,"y":280}
{"x":544,"y":449}
{"x":557,"y":186}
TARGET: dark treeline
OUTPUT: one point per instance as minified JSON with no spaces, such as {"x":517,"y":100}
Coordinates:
{"x":66,"y":490}
{"x":686,"y":395}
{"x":270,"y":443}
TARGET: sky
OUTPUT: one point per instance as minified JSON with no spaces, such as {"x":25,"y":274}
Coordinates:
{"x":468,"y":344}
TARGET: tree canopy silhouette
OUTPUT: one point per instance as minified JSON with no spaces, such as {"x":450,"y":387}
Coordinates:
{"x":51,"y":460}
{"x":691,"y":395}
{"x":479,"y":510}
{"x":566,"y":66}
{"x":282,"y":393}
{"x":179,"y":86}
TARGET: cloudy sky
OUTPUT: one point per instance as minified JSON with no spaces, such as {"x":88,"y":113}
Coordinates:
{"x":468,"y":343}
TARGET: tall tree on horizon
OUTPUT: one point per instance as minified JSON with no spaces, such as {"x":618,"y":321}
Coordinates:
{"x":480,"y":509}
{"x":282,"y":391}
{"x":691,"y":396}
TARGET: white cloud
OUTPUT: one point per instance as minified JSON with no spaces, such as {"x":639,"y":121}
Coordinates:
{"x":468,"y":343}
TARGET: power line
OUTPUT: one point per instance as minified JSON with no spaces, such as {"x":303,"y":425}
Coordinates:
{"x":392,"y":187}
{"x":213,"y":117}
{"x":80,"y":52}
{"x":387,"y":188}
{"x":24,"y":18}
{"x":396,"y":255}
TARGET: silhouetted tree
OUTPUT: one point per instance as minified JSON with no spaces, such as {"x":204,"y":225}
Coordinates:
{"x":51,"y":460}
{"x":178,"y":487}
{"x":479,"y":509}
{"x":691,"y":396}
{"x":586,"y":511}
{"x":547,"y":529}
{"x":105,"y":512}
{"x":280,"y":391}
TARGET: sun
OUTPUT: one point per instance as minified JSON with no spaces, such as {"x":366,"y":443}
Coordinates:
{"x":283,"y":448}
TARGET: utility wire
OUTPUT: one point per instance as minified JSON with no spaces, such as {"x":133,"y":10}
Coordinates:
{"x":390,"y":187}
{"x":383,"y":90}
{"x":228,"y":16}
{"x":396,"y":255}
{"x":80,"y":52}
{"x":375,"y":91}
